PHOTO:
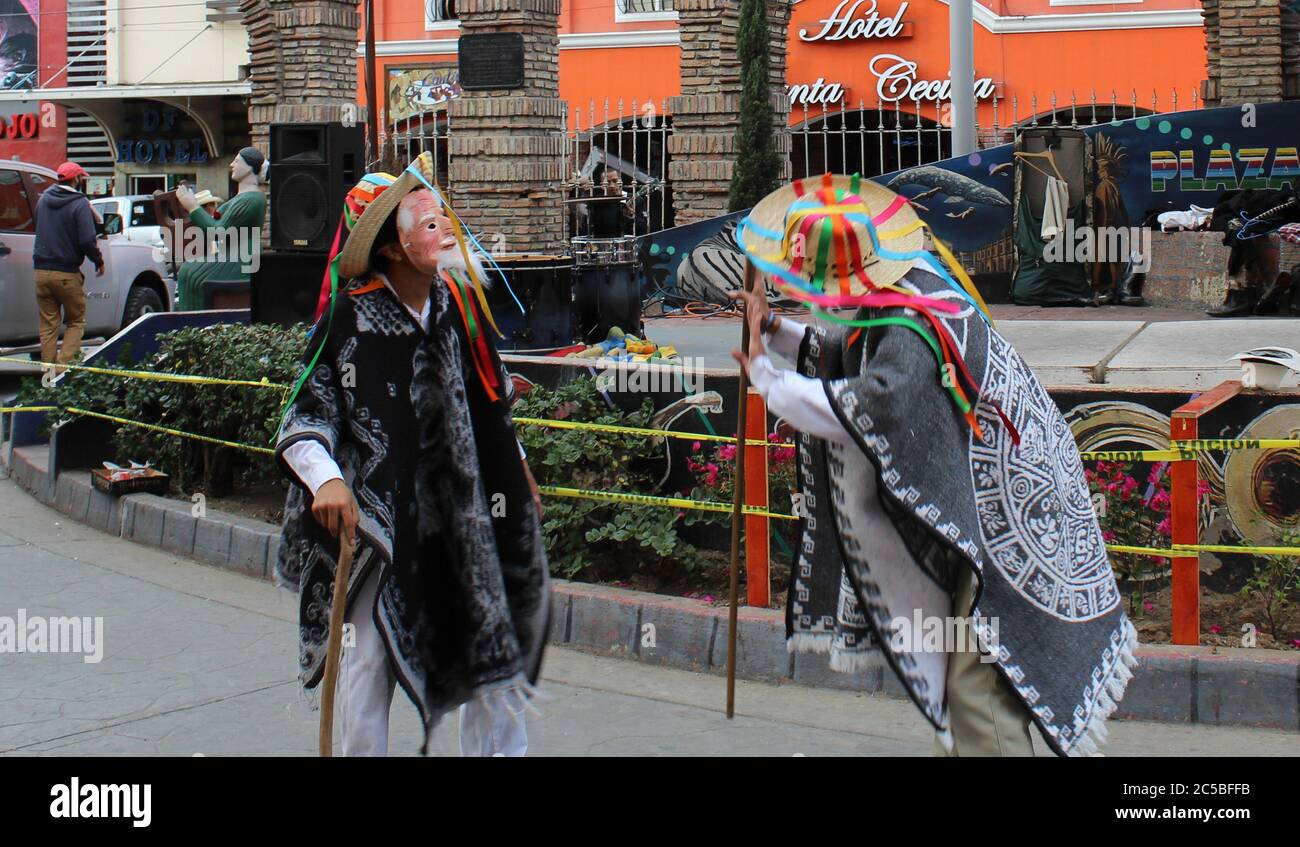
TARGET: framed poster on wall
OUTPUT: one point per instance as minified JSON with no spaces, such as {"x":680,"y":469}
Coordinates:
{"x":411,"y":90}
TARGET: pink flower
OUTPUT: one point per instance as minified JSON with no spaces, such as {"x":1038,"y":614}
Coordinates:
{"x":1160,"y":501}
{"x":709,"y":598}
{"x":1295,"y":642}
{"x":1202,"y":488}
{"x":695,"y":448}
{"x":727,"y":452}
{"x":1129,"y":485}
{"x":1216,"y":629}
{"x":1148,"y":605}
{"x":1107,"y":535}
{"x":1111,"y":487}
{"x":1157,"y":474}
{"x":712,"y":478}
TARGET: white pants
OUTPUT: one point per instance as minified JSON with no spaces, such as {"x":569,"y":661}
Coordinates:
{"x":489,"y":726}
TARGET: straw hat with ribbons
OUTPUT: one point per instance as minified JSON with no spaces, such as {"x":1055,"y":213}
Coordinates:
{"x":844,"y":242}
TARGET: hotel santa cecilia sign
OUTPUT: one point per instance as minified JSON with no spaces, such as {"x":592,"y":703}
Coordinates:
{"x":855,"y":21}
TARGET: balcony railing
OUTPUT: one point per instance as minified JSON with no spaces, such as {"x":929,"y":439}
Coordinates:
{"x":641,"y":7}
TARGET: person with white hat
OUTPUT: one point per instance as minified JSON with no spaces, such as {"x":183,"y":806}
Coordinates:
{"x":399,"y":438}
{"x":947,"y":523}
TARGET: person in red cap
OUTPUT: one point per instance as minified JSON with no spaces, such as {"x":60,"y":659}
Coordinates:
{"x":65,"y":239}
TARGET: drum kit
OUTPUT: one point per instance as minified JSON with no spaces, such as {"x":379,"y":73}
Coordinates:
{"x":569,"y":299}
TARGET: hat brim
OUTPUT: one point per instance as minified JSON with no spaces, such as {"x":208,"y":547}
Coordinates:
{"x":769,"y":216}
{"x":354,"y":259}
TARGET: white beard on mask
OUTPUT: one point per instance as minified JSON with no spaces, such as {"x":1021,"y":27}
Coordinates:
{"x":455,"y":259}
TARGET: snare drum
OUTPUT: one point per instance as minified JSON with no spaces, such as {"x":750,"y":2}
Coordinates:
{"x":600,"y":252}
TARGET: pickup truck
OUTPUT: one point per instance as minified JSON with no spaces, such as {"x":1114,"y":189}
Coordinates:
{"x":135,"y":281}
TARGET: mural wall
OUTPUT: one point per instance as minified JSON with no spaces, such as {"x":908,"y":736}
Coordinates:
{"x":1158,"y":162}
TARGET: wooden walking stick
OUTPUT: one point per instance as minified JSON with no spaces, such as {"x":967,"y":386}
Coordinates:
{"x":751,"y":274}
{"x":334,"y":646}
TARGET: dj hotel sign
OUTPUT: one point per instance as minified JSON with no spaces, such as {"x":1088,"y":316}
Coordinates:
{"x":897,"y":78}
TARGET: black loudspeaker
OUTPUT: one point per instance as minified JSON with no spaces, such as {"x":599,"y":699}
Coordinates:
{"x":313,"y":166}
{"x":286,"y":287}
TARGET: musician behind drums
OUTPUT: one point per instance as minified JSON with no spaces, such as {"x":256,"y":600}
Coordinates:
{"x":609,"y":219}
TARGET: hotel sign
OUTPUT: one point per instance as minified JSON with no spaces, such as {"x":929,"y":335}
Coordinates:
{"x":896,"y":76}
{"x":844,"y":23}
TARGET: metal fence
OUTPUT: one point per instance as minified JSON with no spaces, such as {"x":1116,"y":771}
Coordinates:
{"x":887,"y":137}
{"x":629,"y":140}
{"x":619,"y":140}
{"x":402,"y":142}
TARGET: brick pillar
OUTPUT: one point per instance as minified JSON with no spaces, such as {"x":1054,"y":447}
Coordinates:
{"x":304,"y":62}
{"x":507,"y":146}
{"x":707,"y":114}
{"x":1290,"y":51}
{"x":1244,"y":52}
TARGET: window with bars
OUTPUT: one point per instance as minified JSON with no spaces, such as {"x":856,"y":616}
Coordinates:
{"x":644,"y":7}
{"x":87,"y":52}
{"x":439,"y":11}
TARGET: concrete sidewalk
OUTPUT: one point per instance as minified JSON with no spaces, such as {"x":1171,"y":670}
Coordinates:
{"x":1114,"y":345}
{"x":199,"y":660}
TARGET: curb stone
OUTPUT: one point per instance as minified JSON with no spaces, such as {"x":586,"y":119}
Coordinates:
{"x":1194,"y":685}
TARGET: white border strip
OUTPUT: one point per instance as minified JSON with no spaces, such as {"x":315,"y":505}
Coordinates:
{"x":574,"y":41}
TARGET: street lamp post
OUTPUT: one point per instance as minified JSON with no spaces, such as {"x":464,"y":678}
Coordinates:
{"x":961,"y":55}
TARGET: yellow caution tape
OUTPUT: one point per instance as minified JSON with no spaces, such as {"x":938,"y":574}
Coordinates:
{"x":666,"y":502}
{"x":8,"y":410}
{"x":1177,"y":551}
{"x":632,"y":430}
{"x":159,"y":377}
{"x":1207,"y":444}
{"x":176,"y":432}
{"x":1132,"y":455}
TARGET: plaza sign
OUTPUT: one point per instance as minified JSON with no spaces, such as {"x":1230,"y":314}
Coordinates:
{"x":842,"y":25}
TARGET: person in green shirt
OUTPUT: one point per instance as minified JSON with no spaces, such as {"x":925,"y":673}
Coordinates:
{"x":240,"y":226}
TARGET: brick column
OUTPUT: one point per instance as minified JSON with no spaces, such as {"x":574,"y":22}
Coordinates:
{"x":1251,"y":52}
{"x":507,"y":146}
{"x":304,"y":62}
{"x":707,"y":114}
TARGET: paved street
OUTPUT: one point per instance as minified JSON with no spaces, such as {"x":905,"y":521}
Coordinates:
{"x":201,"y":661}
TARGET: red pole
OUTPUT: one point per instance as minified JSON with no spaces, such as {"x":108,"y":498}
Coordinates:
{"x":1184,"y":525}
{"x":1185,"y":511}
{"x":757,"y":537}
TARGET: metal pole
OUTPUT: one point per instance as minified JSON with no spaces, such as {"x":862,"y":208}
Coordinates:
{"x":372,"y":97}
{"x":742,"y":406}
{"x":961,"y":58}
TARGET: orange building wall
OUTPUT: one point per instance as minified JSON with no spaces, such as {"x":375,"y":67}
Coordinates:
{"x":1156,"y":60}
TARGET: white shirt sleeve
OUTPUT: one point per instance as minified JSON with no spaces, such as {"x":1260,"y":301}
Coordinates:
{"x":799,"y":400}
{"x":312,"y":463}
{"x":787,"y":339}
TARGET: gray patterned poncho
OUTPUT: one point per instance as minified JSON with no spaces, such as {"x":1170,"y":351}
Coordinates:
{"x":446,"y":512}
{"x":891,"y":524}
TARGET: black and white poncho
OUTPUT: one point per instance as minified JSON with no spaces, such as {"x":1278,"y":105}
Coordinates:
{"x":1019,"y":516}
{"x":446,"y":512}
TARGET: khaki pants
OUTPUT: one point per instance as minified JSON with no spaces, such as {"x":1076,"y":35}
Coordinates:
{"x":66,"y":292}
{"x":985,"y":715}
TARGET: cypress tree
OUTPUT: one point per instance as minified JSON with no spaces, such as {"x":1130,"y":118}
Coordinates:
{"x":758,"y":165}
